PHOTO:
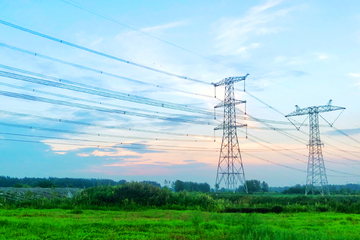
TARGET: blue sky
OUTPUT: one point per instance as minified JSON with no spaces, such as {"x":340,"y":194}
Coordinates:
{"x":296,"y":52}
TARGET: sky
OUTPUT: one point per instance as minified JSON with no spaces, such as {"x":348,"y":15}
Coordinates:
{"x":297,"y":53}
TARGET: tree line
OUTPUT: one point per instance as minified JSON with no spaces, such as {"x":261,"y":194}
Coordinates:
{"x":179,"y":186}
{"x":6,"y":181}
{"x":254,"y":186}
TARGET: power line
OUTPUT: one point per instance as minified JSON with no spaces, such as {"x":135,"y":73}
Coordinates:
{"x":336,"y":155}
{"x":102,"y":72}
{"x":288,"y":134}
{"x":99,"y":53}
{"x":88,"y":107}
{"x":275,"y":129}
{"x":106,"y":90}
{"x":294,"y":137}
{"x":297,"y":138}
{"x":93,"y":134}
{"x":248,"y":117}
{"x":290,"y":150}
{"x":99,"y":141}
{"x":276,"y":110}
{"x":155,"y":149}
{"x":87,"y":9}
{"x":343,"y":133}
{"x":137,"y":30}
{"x":60,"y":120}
{"x":123,"y":143}
{"x":282,"y":165}
{"x":95,"y":146}
{"x":94,"y":108}
{"x":299,"y":169}
{"x":96,"y":71}
{"x":107,"y":94}
{"x":293,"y":151}
{"x":100,"y":109}
{"x":51,"y":37}
{"x":127,"y":96}
{"x":108,"y":135}
{"x":86,"y":100}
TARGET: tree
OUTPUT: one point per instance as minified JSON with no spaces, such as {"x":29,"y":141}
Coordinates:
{"x":45,"y":183}
{"x":179,"y":186}
{"x":204,"y":187}
{"x":297,"y":189}
{"x":253,"y":185}
{"x":264,"y":187}
{"x":216,"y":187}
{"x":167,"y":183}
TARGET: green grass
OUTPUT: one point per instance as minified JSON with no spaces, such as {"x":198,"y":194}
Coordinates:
{"x":157,"y":224}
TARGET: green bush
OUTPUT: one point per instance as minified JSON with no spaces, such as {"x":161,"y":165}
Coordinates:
{"x":277,"y":209}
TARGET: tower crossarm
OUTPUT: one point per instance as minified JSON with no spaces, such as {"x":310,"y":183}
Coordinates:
{"x":222,"y":104}
{"x":225,"y":126}
{"x":315,"y":109}
{"x":230,"y":80}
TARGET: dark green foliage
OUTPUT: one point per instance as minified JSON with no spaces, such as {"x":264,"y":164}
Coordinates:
{"x":140,"y":193}
{"x":58,"y":182}
{"x":140,"y":196}
{"x":253,"y":185}
{"x":322,"y":209}
{"x":134,"y":195}
{"x":277,"y":209}
{"x":76,"y":211}
{"x":179,"y":186}
{"x":264,"y":187}
{"x":191,"y":186}
{"x":45,"y":183}
{"x":247,"y":210}
{"x":297,"y":189}
{"x":156,"y":184}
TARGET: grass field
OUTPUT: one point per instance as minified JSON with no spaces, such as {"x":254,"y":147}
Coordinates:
{"x":158,"y":224}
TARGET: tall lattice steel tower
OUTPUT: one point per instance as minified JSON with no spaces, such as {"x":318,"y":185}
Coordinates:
{"x":316,"y":173}
{"x":230,"y":167}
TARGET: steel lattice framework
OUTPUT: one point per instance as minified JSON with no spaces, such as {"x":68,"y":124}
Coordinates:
{"x":230,"y":167}
{"x":316,"y":173}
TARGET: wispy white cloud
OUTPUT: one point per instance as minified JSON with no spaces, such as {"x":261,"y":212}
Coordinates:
{"x":322,"y":56}
{"x":96,"y":42}
{"x":83,"y":155}
{"x":117,"y":153}
{"x":357,"y":75}
{"x":302,"y":59}
{"x":61,"y":153}
{"x":232,"y":34}
{"x":165,"y":26}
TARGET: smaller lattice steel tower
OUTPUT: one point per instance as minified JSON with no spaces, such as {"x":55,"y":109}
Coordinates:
{"x":316,"y":173}
{"x":230,"y":167}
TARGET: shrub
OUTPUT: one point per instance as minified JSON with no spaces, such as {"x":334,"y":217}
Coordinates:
{"x":76,"y":211}
{"x":321,"y":209}
{"x":277,"y":209}
{"x":247,"y":210}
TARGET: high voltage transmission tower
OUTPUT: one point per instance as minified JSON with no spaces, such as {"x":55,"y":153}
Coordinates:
{"x":230,"y":167}
{"x":316,"y":174}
